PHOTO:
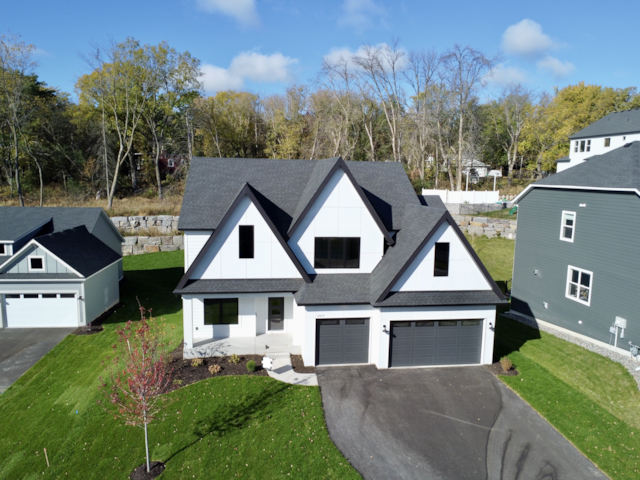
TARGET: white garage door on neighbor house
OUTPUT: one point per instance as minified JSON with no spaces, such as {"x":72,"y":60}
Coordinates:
{"x":28,"y":310}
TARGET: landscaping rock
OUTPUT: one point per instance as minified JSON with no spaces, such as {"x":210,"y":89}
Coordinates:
{"x":481,"y":219}
{"x":166,"y":240}
{"x":178,"y":240}
{"x":127,"y":250}
{"x":463,"y":223}
{"x":143,"y":240}
{"x":473,"y":230}
{"x":130,"y":240}
{"x":154,"y":241}
{"x":151,"y":248}
{"x":168,"y":248}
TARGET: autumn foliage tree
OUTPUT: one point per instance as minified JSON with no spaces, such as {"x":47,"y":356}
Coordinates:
{"x":139,"y":375}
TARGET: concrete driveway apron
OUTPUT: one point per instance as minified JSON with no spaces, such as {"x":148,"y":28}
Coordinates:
{"x":442,"y":423}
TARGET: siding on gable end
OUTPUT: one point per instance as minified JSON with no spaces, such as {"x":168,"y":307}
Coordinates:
{"x":194,"y":240}
{"x":338,"y":212}
{"x":222,"y":260}
{"x":20,"y":265}
{"x":605,"y":242}
{"x":464,"y":274}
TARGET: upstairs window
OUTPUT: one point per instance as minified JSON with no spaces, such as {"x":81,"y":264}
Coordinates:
{"x":585,"y":145}
{"x":36,"y":264}
{"x":576,"y":146}
{"x":607,"y":142}
{"x":337,"y":252}
{"x":221,"y":311}
{"x":3,"y":249}
{"x":246,"y":241}
{"x":567,"y":229}
{"x":441,"y":263}
{"x":579,"y":284}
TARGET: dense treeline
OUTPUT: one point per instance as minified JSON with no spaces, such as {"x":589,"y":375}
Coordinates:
{"x":141,"y":116}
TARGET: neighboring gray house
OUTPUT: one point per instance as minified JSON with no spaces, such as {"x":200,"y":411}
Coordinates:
{"x":59,"y":267}
{"x":576,"y":259}
{"x":340,"y":258}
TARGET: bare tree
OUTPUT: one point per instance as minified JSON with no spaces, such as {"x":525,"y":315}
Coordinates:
{"x":16,"y":68}
{"x":381,"y":67}
{"x":466,"y":70}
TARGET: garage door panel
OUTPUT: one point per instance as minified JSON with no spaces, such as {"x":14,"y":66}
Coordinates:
{"x":35,"y":310}
{"x":438,"y":342}
{"x":344,"y":341}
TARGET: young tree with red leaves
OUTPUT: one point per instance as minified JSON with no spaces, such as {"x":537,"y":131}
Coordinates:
{"x":139,"y":376}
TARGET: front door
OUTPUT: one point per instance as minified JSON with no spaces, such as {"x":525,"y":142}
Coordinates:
{"x":276,"y":313}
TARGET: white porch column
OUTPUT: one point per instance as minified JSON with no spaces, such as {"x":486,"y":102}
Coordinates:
{"x":187,"y":319}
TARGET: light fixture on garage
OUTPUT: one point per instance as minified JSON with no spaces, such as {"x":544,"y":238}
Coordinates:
{"x":384,"y":329}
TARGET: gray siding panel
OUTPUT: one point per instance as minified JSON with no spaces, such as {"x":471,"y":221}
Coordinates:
{"x":607,"y":236}
{"x":101,"y":292}
{"x":20,"y":265}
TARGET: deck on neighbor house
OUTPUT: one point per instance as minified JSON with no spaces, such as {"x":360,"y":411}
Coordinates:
{"x":266,"y":344}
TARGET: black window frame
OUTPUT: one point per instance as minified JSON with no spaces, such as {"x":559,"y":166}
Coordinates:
{"x":219,"y":303}
{"x":3,"y":249}
{"x":246,"y":241}
{"x":440,"y":263}
{"x":336,"y":252}
{"x":39,"y":259}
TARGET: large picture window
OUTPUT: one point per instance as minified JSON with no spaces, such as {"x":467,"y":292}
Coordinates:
{"x":568,"y":227}
{"x":221,"y":311}
{"x":579,"y":285}
{"x":441,"y":262}
{"x":337,"y":252}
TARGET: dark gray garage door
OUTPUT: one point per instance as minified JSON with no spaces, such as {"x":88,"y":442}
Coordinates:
{"x":435,"y":342}
{"x":340,"y":341}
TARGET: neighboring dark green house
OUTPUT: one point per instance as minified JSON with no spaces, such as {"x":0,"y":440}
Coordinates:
{"x":577,"y":257}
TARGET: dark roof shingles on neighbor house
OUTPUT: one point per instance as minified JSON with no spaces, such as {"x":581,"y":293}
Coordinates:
{"x":80,"y":250}
{"x":286,"y":188}
{"x":616,"y":123}
{"x":15,"y":222}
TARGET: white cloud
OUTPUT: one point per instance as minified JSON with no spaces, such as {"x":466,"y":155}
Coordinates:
{"x":359,"y":14}
{"x":526,"y":39}
{"x":503,"y":75}
{"x":337,"y":55}
{"x":556,"y":66}
{"x":242,"y":10}
{"x":274,"y":68}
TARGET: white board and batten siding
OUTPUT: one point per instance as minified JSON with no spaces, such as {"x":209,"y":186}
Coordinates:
{"x":50,"y":263}
{"x":339,"y":212}
{"x":464,"y":273}
{"x":221,"y":260}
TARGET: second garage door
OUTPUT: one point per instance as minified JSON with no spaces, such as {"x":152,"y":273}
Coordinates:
{"x":435,"y":342}
{"x":342,"y":341}
{"x":41,"y":310}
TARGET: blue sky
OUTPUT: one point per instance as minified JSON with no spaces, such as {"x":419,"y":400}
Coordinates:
{"x":265,"y":45}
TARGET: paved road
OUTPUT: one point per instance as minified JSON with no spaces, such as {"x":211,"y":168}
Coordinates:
{"x":21,"y":348}
{"x":442,"y":423}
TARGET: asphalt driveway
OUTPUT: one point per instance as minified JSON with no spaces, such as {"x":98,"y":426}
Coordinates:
{"x":442,"y":423}
{"x":21,"y":348}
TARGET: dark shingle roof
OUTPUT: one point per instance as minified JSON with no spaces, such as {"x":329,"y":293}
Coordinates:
{"x":433,"y":201}
{"x":80,"y":250}
{"x":419,"y":299}
{"x":39,"y":276}
{"x":616,"y":123}
{"x":619,"y":168}
{"x":564,"y":159}
{"x":15,"y":222}
{"x":335,"y":289}
{"x":266,"y":285}
{"x":213,"y":185}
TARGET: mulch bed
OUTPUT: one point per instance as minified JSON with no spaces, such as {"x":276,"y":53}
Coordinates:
{"x":184,"y":373}
{"x":88,"y":330}
{"x":298,"y":365}
{"x":141,"y":473}
{"x":496,"y":369}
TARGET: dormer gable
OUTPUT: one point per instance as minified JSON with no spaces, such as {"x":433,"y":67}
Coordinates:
{"x":33,"y":258}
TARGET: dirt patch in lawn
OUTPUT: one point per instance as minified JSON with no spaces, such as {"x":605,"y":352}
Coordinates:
{"x":187,"y":371}
{"x":496,"y":369}
{"x":298,"y":365}
{"x":88,"y":330}
{"x":141,"y":473}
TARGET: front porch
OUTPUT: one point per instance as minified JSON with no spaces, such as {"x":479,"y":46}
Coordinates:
{"x":265,"y":344}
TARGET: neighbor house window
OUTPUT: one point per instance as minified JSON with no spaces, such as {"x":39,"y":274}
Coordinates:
{"x":579,"y":284}
{"x":246,"y":241}
{"x":576,"y":147}
{"x":337,"y":252}
{"x":221,"y":311}
{"x":36,"y":264}
{"x":567,"y":229}
{"x":3,"y":249}
{"x":607,"y":142}
{"x":441,"y":263}
{"x":585,"y":145}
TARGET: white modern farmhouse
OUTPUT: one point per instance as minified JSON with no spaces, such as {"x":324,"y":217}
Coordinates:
{"x":59,"y":266}
{"x":607,"y":134}
{"x":342,"y":257}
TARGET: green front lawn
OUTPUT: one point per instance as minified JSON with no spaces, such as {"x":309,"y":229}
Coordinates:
{"x":251,"y":427}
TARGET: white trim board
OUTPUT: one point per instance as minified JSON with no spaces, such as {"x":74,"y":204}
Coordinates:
{"x":573,"y":187}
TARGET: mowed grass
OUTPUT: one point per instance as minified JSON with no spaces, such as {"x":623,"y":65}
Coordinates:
{"x":593,"y":401}
{"x":227,"y":427}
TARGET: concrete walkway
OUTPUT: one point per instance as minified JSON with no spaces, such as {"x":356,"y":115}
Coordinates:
{"x":283,"y":370}
{"x":21,"y":348}
{"x":266,"y":344}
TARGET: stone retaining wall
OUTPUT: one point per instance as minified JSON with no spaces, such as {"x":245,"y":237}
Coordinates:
{"x":145,"y":225}
{"x":137,"y":245}
{"x":490,"y":227}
